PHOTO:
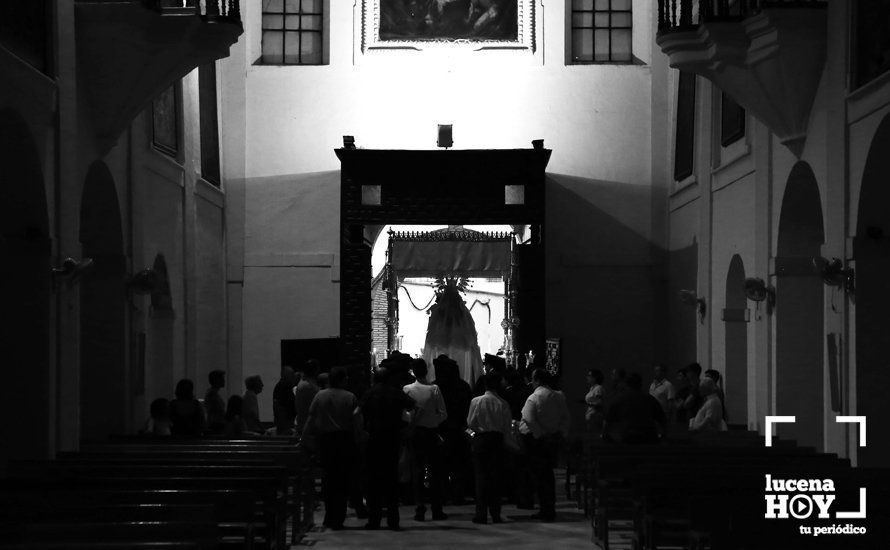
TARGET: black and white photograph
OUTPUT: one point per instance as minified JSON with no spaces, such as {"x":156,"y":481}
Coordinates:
{"x":435,"y":274}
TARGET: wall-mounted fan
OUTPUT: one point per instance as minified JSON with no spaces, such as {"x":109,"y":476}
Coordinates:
{"x":834,"y":273}
{"x":71,"y":271}
{"x":757,"y":291}
{"x":144,"y":282}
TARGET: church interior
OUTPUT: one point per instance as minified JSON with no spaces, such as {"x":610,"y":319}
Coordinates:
{"x":239,"y":185}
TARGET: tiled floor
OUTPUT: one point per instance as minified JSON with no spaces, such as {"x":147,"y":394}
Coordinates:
{"x":518,"y":532}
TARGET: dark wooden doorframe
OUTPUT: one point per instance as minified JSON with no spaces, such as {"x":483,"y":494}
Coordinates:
{"x":442,"y":187}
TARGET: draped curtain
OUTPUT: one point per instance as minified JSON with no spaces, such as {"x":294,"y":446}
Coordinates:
{"x":451,"y":330}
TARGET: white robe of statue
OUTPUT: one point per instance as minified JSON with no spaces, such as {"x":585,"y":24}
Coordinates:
{"x":451,"y":331}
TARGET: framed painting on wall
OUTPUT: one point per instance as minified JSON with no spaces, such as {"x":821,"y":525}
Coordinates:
{"x":422,"y":24}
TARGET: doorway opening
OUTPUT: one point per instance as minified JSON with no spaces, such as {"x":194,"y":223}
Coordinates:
{"x":444,"y":290}
{"x":25,"y":335}
{"x":502,"y":187}
{"x":799,"y":310}
{"x":735,"y":318}
{"x":871,"y":250}
{"x":104,"y":389}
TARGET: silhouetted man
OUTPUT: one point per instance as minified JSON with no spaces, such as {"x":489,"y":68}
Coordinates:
{"x":634,"y":417}
{"x":332,"y":421}
{"x":425,"y":445}
{"x":250,"y":408}
{"x":304,"y":393}
{"x":214,"y":403}
{"x":545,"y":419}
{"x":283,"y":402}
{"x":382,"y":409}
{"x":490,"y":422}
{"x":662,"y":390}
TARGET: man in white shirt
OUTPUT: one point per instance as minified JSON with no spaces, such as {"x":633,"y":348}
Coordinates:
{"x":425,"y":441}
{"x":662,"y":390}
{"x":545,"y":419}
{"x":490,"y":423}
{"x":332,"y":418}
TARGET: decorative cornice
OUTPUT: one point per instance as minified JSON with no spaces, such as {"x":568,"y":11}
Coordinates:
{"x":466,"y":235}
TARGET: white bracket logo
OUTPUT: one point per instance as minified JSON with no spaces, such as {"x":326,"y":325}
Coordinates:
{"x":770,"y":420}
{"x":853,"y":420}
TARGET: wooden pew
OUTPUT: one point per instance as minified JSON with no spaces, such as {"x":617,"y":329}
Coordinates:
{"x":202,"y":534}
{"x":234,"y":511}
{"x":301,"y":498}
{"x":614,"y":468}
{"x":262,"y":493}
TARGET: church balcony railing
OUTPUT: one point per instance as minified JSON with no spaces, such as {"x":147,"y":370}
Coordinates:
{"x":767,"y":55}
{"x":685,"y":15}
{"x":210,"y":10}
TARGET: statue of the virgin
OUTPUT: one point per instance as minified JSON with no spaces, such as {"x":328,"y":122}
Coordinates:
{"x":451,"y":329}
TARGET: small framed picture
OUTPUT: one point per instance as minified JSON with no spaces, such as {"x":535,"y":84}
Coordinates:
{"x":553,"y":360}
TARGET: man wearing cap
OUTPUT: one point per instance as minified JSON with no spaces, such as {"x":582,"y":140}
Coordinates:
{"x":489,"y":363}
{"x":545,"y":419}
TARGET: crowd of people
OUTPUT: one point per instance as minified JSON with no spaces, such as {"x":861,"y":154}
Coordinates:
{"x":392,"y":436}
{"x":408,"y":431}
{"x":624,"y":413}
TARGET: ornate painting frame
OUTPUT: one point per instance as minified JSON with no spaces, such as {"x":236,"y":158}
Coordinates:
{"x":372,"y":12}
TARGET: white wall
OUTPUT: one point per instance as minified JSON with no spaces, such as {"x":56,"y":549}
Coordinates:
{"x":595,"y":118}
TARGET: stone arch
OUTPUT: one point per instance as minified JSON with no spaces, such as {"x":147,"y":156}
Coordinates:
{"x":799,"y":309}
{"x":736,"y":341}
{"x":872,"y":254}
{"x":24,"y":339}
{"x":160,"y":358}
{"x":104,"y":392}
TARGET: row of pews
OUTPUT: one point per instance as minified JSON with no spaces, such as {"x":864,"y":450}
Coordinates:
{"x":139,"y":494}
{"x":708,"y":491}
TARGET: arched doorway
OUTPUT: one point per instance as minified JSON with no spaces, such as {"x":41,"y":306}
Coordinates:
{"x":872,"y":254}
{"x":103,"y":374}
{"x":799,"y":310}
{"x":158,"y":365}
{"x":24,"y":338}
{"x":735,"y":318}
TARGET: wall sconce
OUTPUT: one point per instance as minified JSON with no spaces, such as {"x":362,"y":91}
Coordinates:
{"x":690,"y":298}
{"x":71,"y":271}
{"x":834,"y":274}
{"x":349,"y":142}
{"x":446,"y":138}
{"x":757,"y":291}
